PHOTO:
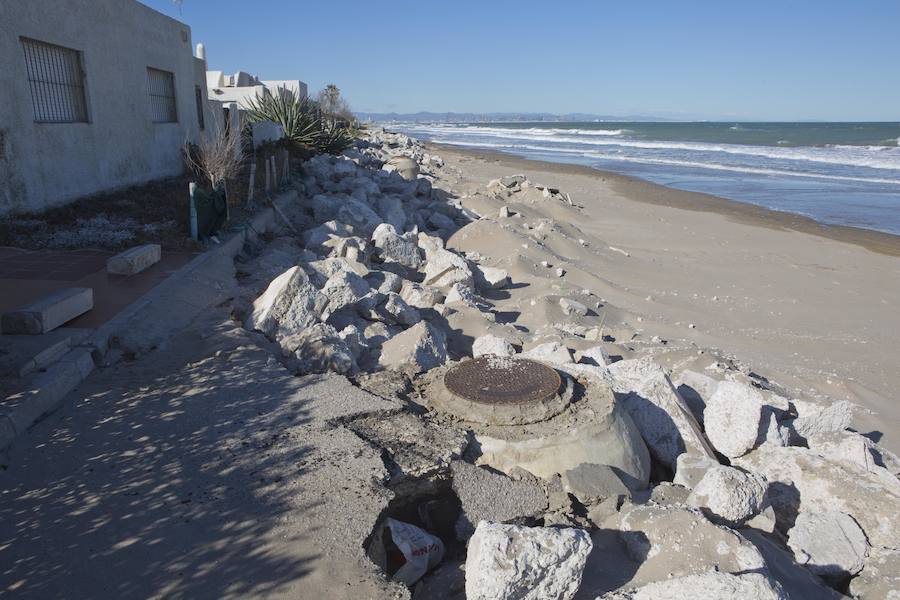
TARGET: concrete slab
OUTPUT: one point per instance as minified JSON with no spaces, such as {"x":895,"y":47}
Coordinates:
{"x":134,"y":260}
{"x":49,"y":312}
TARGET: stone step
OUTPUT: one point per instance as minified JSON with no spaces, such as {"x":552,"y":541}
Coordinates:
{"x":49,"y":312}
{"x":134,"y":260}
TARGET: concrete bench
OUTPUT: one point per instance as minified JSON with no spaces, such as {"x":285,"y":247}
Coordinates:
{"x":134,"y":260}
{"x":49,"y":312}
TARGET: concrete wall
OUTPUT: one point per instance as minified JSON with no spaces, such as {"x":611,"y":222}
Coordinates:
{"x":45,"y":164}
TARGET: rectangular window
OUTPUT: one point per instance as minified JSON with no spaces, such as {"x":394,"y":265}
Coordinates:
{"x":162,"y":96}
{"x":57,"y":82}
{"x":199,"y":94}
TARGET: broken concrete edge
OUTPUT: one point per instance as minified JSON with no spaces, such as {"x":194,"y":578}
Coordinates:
{"x":98,"y":342}
{"x":45,"y":392}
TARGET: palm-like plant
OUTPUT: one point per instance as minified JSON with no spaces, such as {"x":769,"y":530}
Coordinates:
{"x":298,"y":117}
{"x":334,"y":139}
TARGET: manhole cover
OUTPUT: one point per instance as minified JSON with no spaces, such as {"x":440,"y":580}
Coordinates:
{"x":502,"y":380}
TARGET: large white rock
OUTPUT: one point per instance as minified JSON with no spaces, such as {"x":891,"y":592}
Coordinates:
{"x":729,"y":496}
{"x":696,"y":388}
{"x":289,"y":305}
{"x":320,"y":348}
{"x":490,"y":278}
{"x":420,"y":296}
{"x":732,"y":418}
{"x":708,"y":586}
{"x":419,"y":348}
{"x":491,"y":344}
{"x":395,"y":310}
{"x":525,"y":563}
{"x":572,"y":307}
{"x":836,"y":417}
{"x":802,"y":481}
{"x":343,"y":289}
{"x":443,"y":268}
{"x":662,"y":416}
{"x":880,"y":579}
{"x":395,"y":248}
{"x":359,"y":216}
{"x":674,"y":541}
{"x":550,"y":352}
{"x":691,"y":468}
{"x":829,"y":544}
{"x":594,"y":356}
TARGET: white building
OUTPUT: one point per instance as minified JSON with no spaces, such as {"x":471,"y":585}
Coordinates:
{"x":95,"y":95}
{"x":243,"y":86}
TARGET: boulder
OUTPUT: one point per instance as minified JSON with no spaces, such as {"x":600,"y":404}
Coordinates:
{"x":691,"y":468}
{"x":396,"y":248}
{"x":880,"y":578}
{"x":573,"y":307}
{"x":444,"y":268}
{"x":359,"y":216}
{"x":491,"y":344}
{"x":696,"y":388}
{"x":674,"y":541}
{"x":394,"y":310}
{"x":390,"y":208}
{"x":729,"y":496}
{"x":830,"y":544}
{"x":852,"y":447}
{"x":488,"y":496}
{"x":712,"y":585}
{"x":419,"y":348}
{"x":406,"y":167}
{"x":526,"y":563}
{"x":796,"y":581}
{"x":460,"y":293}
{"x":441,"y":221}
{"x":802,"y":481}
{"x":553,"y":353}
{"x":319,"y":348}
{"x":661,"y":415}
{"x":592,"y":483}
{"x":343,"y":289}
{"x":512,"y":181}
{"x":834,"y":418}
{"x":420,"y":296}
{"x":315,"y":237}
{"x":733,"y":418}
{"x":289,"y":305}
{"x":490,"y":278}
{"x":384,"y":281}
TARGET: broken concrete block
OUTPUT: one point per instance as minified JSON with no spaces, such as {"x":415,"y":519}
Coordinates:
{"x":490,"y":278}
{"x":549,"y":352}
{"x":729,"y":496}
{"x":591,"y":483}
{"x":830,"y":544}
{"x":288,"y":306}
{"x":491,"y":344}
{"x":488,"y":496}
{"x":49,"y":312}
{"x":723,"y":586}
{"x":134,"y":260}
{"x":508,"y":561}
{"x":732,"y":418}
{"x":572,"y":307}
{"x":421,"y":347}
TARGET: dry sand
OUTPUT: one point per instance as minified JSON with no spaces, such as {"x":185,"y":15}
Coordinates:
{"x":810,"y":307}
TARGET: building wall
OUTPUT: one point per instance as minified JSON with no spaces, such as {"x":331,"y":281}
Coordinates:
{"x":46,"y":164}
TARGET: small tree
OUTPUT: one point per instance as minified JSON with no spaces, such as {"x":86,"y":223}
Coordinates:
{"x":215,"y":157}
{"x":329,"y":99}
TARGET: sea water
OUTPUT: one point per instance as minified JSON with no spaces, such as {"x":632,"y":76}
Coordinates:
{"x":835,"y":173}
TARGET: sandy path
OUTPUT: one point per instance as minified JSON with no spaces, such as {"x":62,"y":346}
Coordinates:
{"x":818,"y":315}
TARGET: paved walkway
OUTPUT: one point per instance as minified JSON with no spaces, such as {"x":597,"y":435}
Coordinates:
{"x":202,"y":470}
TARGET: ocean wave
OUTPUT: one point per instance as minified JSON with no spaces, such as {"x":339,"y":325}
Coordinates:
{"x":671,"y":162}
{"x":874,"y":157}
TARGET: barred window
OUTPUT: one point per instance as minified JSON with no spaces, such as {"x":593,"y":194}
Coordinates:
{"x":162,"y":96}
{"x":56,"y":79}
{"x":198,"y":91}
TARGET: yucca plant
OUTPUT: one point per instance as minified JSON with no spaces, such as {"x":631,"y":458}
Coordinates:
{"x":334,"y":139}
{"x":297,"y":116}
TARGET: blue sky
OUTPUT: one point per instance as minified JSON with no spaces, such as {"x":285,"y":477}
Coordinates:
{"x":784,"y":60}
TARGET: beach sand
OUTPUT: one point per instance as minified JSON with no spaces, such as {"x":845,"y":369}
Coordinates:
{"x":693,"y":280}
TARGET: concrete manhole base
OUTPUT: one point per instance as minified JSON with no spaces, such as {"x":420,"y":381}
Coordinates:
{"x":501,"y":391}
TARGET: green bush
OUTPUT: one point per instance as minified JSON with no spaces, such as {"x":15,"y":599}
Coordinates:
{"x":297,"y":115}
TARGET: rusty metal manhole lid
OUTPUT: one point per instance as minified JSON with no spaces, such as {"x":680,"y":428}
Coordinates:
{"x":502,"y":380}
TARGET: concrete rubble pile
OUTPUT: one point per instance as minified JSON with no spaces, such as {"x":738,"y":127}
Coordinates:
{"x":632,"y":481}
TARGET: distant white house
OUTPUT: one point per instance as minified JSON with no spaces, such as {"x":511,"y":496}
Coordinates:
{"x":241,"y":87}
{"x":93,"y":96}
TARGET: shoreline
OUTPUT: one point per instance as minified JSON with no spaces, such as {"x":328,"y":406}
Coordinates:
{"x":658,"y":194}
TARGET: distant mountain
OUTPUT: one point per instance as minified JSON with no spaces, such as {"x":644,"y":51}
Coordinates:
{"x":452,"y":117}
